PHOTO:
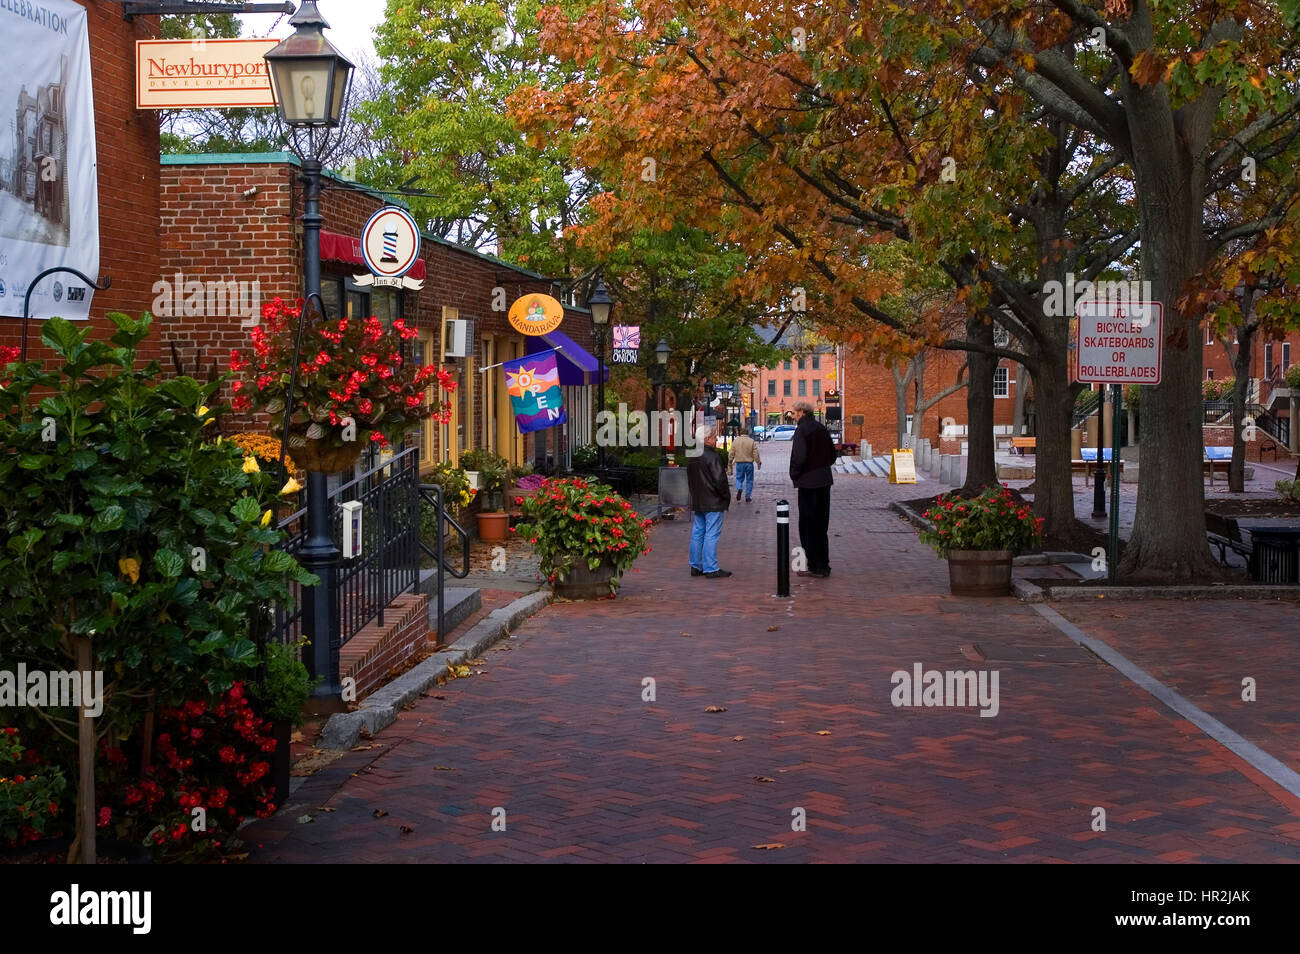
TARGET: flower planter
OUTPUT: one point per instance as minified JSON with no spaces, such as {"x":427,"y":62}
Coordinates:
{"x":492,"y":526}
{"x":582,"y":583}
{"x":324,"y":457}
{"x":979,"y":572}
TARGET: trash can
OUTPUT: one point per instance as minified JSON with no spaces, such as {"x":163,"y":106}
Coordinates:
{"x":1275,"y":554}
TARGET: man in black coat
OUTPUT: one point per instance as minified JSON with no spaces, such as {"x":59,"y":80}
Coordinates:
{"x":706,"y":476}
{"x":811,"y":457}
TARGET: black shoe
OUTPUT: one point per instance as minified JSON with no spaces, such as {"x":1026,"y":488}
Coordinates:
{"x":718,"y":574}
{"x":821,"y":573}
{"x":737,"y":496}
{"x":749,"y":500}
{"x":696,"y":571}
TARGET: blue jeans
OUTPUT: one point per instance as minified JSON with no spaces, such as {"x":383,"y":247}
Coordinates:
{"x":745,"y":478}
{"x":705,"y":532}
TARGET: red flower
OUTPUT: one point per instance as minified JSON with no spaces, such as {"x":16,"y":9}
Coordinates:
{"x":105,"y":816}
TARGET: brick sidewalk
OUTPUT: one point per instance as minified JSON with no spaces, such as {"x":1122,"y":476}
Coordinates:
{"x":555,"y":731}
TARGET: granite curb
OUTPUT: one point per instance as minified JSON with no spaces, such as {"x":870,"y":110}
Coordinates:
{"x":379,"y":709}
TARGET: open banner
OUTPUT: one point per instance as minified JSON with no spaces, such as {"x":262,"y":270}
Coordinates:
{"x":533,"y":384}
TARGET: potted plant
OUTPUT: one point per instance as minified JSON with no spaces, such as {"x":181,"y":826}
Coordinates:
{"x":979,"y":536}
{"x":585,"y":534}
{"x":492,"y":518}
{"x":351,"y":386}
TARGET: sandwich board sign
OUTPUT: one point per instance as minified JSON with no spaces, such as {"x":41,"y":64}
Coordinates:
{"x":902,"y":467}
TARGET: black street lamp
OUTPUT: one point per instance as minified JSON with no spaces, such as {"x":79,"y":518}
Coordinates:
{"x":601,"y":305}
{"x":310,"y":80}
{"x":662,"y":353}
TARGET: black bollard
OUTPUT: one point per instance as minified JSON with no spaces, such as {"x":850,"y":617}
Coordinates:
{"x":782,"y":548}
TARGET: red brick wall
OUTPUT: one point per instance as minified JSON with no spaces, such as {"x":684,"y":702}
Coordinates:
{"x":370,"y":655}
{"x":126,"y":144}
{"x":869,"y":391}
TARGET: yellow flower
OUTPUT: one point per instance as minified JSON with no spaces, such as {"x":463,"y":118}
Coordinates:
{"x":266,"y":518}
{"x":250,"y":465}
{"x":291,"y":487}
{"x":202,"y":412}
{"x":129,"y":567}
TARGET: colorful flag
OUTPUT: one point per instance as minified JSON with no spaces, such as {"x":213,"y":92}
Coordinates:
{"x":533,"y":384}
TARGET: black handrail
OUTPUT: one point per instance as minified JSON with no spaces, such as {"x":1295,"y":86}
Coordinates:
{"x":432,"y":493}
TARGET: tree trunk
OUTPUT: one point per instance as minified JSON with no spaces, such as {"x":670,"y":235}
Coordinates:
{"x":981,"y":468}
{"x":1018,"y":415}
{"x":1168,"y":543}
{"x":1053,"y":478}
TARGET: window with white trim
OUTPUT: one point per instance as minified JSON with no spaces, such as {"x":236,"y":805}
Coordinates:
{"x":1001,"y":382}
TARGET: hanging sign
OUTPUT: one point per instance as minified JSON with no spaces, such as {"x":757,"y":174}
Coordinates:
{"x":535,"y":315}
{"x":390,"y":246}
{"x":49,"y":192}
{"x":1119,"y":343}
{"x":902,"y":467}
{"x":533,"y":384}
{"x":627,"y":344}
{"x":201,"y":73}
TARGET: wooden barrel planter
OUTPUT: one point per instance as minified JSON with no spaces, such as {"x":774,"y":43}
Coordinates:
{"x":583,"y":584}
{"x":979,"y":572}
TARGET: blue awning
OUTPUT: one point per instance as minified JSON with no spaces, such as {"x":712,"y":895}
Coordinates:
{"x":577,"y":365}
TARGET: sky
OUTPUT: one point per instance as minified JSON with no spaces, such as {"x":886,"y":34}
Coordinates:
{"x":352,"y":24}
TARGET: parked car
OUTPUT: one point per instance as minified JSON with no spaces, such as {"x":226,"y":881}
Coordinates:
{"x":783,"y":432}
{"x":760,"y":433}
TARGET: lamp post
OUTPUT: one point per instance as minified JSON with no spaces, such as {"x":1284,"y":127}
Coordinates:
{"x":662,"y":353}
{"x":600,"y":304}
{"x":310,"y":80}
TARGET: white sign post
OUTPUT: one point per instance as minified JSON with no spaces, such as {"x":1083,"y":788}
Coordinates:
{"x":1120,"y":343}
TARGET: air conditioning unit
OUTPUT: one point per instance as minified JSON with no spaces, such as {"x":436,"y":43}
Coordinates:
{"x":457,"y":338}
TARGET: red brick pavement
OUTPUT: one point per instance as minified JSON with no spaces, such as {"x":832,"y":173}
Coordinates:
{"x":556,"y":733}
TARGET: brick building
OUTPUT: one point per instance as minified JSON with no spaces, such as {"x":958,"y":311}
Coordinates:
{"x":237,"y":219}
{"x":126,"y":143}
{"x":1269,"y":362}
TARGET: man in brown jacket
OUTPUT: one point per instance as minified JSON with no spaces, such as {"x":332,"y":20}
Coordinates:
{"x":744,"y":454}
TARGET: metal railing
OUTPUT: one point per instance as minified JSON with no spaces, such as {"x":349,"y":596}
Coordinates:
{"x":389,"y":564}
{"x":1085,"y":408}
{"x":432,"y":494}
{"x":1220,"y":412}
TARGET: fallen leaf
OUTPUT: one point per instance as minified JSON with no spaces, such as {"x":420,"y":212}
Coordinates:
{"x":321,"y":808}
{"x":443,"y":768}
{"x":686,"y":634}
{"x":304,"y":819}
{"x":773,"y":629}
{"x":296,"y":737}
{"x":771,"y":847}
{"x":823,"y":732}
{"x":737,"y":738}
{"x":440,"y":697}
{"x":476,"y":662}
{"x":379,"y":813}
{"x":715,"y":709}
{"x":405,"y":829}
{"x":763,"y":778}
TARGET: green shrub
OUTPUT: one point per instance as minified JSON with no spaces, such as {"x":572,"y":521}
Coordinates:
{"x":282,"y":692}
{"x":1288,"y":490}
{"x":1293,"y":376}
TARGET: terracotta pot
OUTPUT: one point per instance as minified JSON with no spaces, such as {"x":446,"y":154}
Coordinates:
{"x":979,"y":572}
{"x":493,"y":526}
{"x":584,"y":584}
{"x":324,"y":457}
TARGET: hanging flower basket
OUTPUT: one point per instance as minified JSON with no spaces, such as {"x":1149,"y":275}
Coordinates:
{"x":325,"y":456}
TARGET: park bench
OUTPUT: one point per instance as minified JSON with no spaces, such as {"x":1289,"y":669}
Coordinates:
{"x":1216,"y":455}
{"x":1226,"y":535}
{"x":1088,"y":463}
{"x":1021,"y":444}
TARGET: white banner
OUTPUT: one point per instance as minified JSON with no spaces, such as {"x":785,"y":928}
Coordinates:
{"x":49,"y":198}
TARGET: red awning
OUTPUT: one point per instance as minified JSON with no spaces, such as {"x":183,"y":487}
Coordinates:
{"x":335,"y":247}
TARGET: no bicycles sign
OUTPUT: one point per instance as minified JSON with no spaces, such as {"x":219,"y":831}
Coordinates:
{"x":1119,"y":342}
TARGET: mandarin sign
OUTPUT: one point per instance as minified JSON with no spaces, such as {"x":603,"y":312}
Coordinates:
{"x":535,"y":315}
{"x":199,"y":74}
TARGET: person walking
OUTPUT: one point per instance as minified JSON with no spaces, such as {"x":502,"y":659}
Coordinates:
{"x":706,"y":476}
{"x":744,"y":454}
{"x":811,"y":457}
